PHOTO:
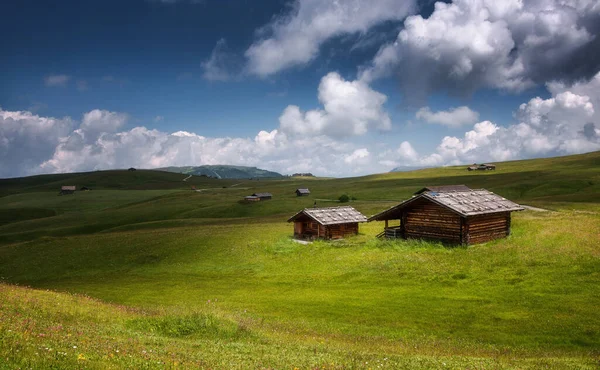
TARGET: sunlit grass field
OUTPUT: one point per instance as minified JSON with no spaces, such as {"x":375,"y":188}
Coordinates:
{"x":130,"y":277}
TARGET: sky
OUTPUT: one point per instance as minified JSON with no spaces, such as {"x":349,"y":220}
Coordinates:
{"x":331,"y":87}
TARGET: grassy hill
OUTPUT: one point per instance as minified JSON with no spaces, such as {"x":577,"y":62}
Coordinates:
{"x":144,"y":271}
{"x":224,"y":172}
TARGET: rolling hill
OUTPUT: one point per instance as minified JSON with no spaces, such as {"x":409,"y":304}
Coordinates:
{"x":144,"y":272}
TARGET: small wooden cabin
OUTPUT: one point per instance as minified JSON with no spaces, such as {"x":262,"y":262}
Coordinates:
{"x":263,"y":196}
{"x":326,"y":223}
{"x":252,"y":198}
{"x":455,"y":217}
{"x":487,"y":166}
{"x":67,"y":189}
{"x":482,"y":167}
{"x":302,"y":192}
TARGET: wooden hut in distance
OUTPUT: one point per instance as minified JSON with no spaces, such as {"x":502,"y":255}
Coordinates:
{"x":263,"y":196}
{"x":482,"y":167}
{"x":326,"y":223}
{"x":450,"y":214}
{"x":67,"y":189}
{"x":302,"y":192}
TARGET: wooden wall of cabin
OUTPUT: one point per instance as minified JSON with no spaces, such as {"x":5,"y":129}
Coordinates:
{"x":312,"y":229}
{"x":483,"y":228}
{"x":427,"y":220}
{"x":307,"y":228}
{"x":341,"y":230}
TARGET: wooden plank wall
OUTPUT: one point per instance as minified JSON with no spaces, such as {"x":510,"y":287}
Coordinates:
{"x":483,"y":228}
{"x":314,"y":229}
{"x":340,"y":230}
{"x":306,"y":229}
{"x":427,"y":220}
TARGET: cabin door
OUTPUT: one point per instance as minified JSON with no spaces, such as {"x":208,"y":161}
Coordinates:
{"x":298,"y":228}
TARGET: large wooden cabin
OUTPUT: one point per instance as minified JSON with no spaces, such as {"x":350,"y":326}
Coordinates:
{"x":456,"y":216}
{"x":326,"y":223}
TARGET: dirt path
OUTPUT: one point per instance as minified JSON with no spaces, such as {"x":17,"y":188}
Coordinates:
{"x":187,"y":178}
{"x":535,"y":209}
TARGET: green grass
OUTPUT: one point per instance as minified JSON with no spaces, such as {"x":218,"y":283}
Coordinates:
{"x":205,"y":281}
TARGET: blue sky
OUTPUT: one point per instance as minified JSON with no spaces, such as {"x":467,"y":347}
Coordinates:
{"x":337,"y":88}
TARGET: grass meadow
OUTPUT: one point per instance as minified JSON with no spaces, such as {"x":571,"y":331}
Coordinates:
{"x":142,"y":272}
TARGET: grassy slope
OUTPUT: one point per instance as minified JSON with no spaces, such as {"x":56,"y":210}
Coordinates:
{"x":530,"y":300}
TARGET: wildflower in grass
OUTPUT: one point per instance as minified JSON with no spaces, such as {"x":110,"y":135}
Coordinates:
{"x":81,"y":357}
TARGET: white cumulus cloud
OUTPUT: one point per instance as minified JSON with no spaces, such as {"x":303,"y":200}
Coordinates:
{"x":295,"y":38}
{"x":511,"y":45}
{"x":349,"y":108}
{"x":566,"y":123}
{"x":27,"y":139}
{"x":454,"y":117}
{"x":31,"y":144}
{"x":358,"y":156}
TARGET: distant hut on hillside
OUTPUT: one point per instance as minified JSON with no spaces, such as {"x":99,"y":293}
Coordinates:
{"x":252,"y":198}
{"x":326,"y":223}
{"x":302,"y":192}
{"x":131,"y":169}
{"x":67,"y":189}
{"x":487,"y":166}
{"x":452,"y":216}
{"x":85,"y":188}
{"x":482,"y":167}
{"x":263,"y":196}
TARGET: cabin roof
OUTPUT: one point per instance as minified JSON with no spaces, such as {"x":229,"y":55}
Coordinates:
{"x":331,"y":215}
{"x":444,"y":188}
{"x":251,"y":197}
{"x":68,"y":187}
{"x":262,"y":195}
{"x":303,"y":191}
{"x":464,"y":203}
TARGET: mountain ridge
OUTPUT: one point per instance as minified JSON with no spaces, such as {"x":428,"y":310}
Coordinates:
{"x":223,"y":171}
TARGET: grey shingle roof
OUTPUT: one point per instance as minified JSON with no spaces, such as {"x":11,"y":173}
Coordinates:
{"x":262,"y":195}
{"x":465,"y":203}
{"x":68,"y":187}
{"x":474,"y":202}
{"x":332,"y":215}
{"x":303,"y":191}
